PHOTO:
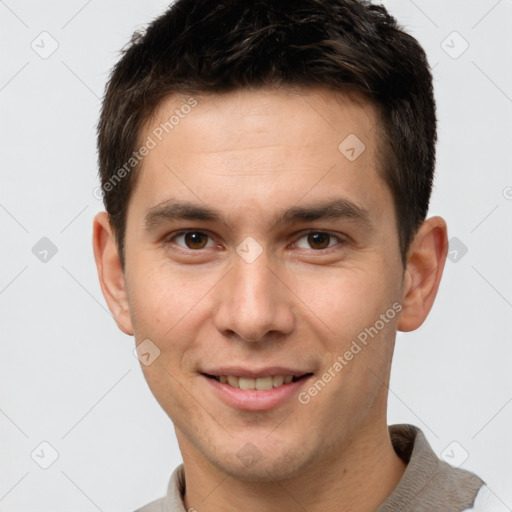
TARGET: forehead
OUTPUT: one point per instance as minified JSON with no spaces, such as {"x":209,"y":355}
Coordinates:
{"x":222,"y":148}
{"x":246,"y":115}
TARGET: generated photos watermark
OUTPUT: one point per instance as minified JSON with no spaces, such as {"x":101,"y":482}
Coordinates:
{"x":150,"y":143}
{"x":356,"y":347}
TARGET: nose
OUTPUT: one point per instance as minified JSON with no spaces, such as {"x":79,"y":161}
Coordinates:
{"x":254,"y":304}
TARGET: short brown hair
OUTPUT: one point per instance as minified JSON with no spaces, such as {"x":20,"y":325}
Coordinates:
{"x":214,"y":46}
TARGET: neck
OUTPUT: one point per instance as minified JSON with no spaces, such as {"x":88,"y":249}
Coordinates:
{"x":359,"y":478}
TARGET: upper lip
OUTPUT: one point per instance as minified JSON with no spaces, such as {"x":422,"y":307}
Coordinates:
{"x":270,"y":371}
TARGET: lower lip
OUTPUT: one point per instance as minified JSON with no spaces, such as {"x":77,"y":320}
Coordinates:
{"x":255,"y":399}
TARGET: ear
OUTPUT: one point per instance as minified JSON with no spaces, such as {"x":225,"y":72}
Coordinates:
{"x":425,"y":263}
{"x":110,"y":272}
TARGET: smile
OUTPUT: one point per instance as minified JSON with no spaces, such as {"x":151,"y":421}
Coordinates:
{"x":260,"y":383}
{"x":256,"y":393}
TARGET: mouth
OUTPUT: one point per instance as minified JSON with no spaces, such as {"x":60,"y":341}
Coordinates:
{"x":264,"y":383}
{"x":255,"y":389}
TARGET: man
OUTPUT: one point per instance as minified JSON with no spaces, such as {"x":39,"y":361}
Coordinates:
{"x":266,"y":169}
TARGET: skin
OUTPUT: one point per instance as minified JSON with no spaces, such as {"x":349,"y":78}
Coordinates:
{"x":250,"y":155}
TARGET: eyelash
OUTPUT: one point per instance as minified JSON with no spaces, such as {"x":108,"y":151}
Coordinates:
{"x":169,"y":240}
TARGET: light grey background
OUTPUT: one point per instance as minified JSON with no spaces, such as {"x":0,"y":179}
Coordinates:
{"x":68,"y":375}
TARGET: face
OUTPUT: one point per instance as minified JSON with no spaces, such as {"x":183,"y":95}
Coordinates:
{"x":261,"y":243}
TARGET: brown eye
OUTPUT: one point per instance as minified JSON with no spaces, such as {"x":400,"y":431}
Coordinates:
{"x":196,"y":240}
{"x":319,"y":240}
{"x":191,"y":240}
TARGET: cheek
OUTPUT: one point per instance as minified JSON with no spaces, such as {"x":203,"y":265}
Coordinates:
{"x":344,"y":300}
{"x":161,"y":295}
{"x":165,"y":305}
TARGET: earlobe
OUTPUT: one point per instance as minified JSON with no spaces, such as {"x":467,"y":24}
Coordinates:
{"x":110,"y":272}
{"x":425,"y":264}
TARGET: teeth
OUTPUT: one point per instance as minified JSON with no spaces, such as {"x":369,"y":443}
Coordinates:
{"x":232,"y":381}
{"x":262,"y":383}
{"x":278,"y":381}
{"x":244,"y":383}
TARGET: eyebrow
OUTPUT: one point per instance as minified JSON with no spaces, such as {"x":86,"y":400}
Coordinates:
{"x":174,"y":209}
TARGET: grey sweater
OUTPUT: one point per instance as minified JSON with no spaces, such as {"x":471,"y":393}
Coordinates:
{"x":428,"y":485}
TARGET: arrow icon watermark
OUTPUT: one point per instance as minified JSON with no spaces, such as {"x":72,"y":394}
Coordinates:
{"x":351,"y":147}
{"x":146,"y":352}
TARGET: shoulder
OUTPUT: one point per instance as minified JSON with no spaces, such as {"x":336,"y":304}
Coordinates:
{"x":154,"y":506}
{"x":487,"y":501}
{"x":173,"y":501}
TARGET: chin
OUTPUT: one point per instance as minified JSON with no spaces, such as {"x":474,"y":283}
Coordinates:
{"x":250,"y":465}
{"x":264,"y":473}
